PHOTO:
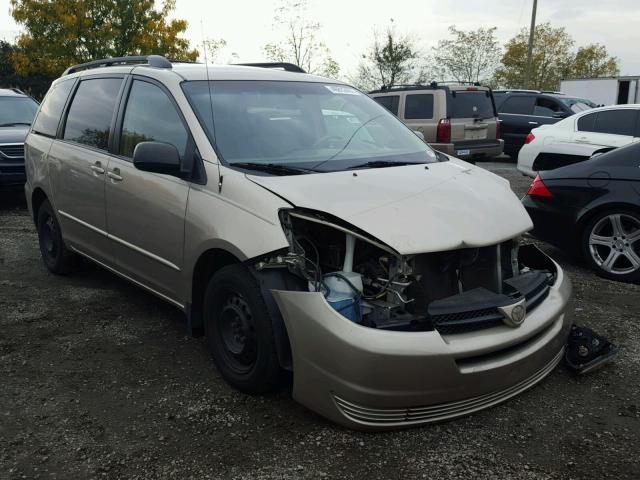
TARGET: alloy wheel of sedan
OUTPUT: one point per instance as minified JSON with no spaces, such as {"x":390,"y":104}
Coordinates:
{"x":614,"y":243}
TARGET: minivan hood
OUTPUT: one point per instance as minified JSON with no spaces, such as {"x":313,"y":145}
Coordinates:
{"x":13,"y":134}
{"x":413,"y":209}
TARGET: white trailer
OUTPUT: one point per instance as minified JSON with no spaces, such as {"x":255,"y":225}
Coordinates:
{"x":604,"y":91}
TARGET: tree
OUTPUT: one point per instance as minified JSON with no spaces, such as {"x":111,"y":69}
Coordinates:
{"x":392,"y":59}
{"x":301,"y":45}
{"x":594,"y":61}
{"x":215,"y":48}
{"x":66,"y":32}
{"x":552,"y":59}
{"x":35,"y":85}
{"x":468,"y":57}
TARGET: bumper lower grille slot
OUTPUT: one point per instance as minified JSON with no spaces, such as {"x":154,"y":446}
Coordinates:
{"x":439,"y":412}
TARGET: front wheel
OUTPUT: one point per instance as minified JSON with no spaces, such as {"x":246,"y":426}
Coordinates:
{"x":611,"y":245}
{"x":239,"y":331}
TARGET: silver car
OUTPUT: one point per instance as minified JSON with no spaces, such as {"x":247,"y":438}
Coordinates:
{"x":302,"y":227}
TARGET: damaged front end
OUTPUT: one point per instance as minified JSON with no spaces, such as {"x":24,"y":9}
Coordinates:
{"x":373,"y":285}
{"x":381,"y":340}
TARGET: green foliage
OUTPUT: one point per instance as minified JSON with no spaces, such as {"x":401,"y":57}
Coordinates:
{"x":301,"y":45}
{"x":65,"y":32}
{"x":391,"y":60}
{"x":594,"y":61}
{"x":470,"y":56}
{"x":553,"y":60}
{"x":35,"y":85}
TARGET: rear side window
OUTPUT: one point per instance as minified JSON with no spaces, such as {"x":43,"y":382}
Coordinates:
{"x":91,"y":111}
{"x":47,"y":121}
{"x":473,"y":104}
{"x":418,"y":106}
{"x":150,"y":116}
{"x":519,"y":105}
{"x":390,"y":102}
{"x":546,"y":107}
{"x":616,"y":122}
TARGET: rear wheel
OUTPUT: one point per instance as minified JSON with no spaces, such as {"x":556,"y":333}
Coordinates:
{"x":239,"y":331}
{"x":611,"y":245}
{"x":55,"y":255}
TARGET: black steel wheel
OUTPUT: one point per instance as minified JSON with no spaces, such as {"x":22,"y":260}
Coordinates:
{"x":239,"y":330}
{"x":55,"y":255}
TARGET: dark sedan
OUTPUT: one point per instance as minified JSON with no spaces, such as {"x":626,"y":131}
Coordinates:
{"x":593,"y":207}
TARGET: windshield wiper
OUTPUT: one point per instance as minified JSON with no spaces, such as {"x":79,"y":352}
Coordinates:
{"x":275,"y":168}
{"x":383,"y":163}
{"x":13,"y":124}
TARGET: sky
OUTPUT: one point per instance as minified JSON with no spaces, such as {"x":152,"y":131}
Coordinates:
{"x":348,"y":25}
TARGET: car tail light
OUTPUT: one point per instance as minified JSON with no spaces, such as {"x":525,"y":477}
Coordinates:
{"x":530,"y":138}
{"x":539,"y":189}
{"x":498,"y":128}
{"x":443,"y":134}
{"x":472,"y":89}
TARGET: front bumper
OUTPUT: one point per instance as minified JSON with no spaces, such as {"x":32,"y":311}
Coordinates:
{"x":370,"y":379}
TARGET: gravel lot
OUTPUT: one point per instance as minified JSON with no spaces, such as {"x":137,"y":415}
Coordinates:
{"x":100,"y":380}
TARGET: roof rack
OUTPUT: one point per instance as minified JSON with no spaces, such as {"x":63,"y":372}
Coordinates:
{"x":456,"y":82}
{"x":552,"y":92}
{"x":516,"y":90}
{"x":17,"y":90}
{"x":289,"y":67}
{"x":157,"y":61}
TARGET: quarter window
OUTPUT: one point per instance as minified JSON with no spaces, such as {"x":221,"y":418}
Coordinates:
{"x":418,"y":106}
{"x":47,"y":121}
{"x":91,"y":111}
{"x":518,"y":104}
{"x":587,"y":123}
{"x":390,"y":102}
{"x":151,"y":117}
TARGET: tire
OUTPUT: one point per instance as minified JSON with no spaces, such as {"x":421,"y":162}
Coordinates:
{"x":239,"y":331}
{"x":611,"y":244}
{"x":55,"y":255}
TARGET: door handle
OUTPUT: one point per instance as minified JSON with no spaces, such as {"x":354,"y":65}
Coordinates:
{"x":97,"y":168}
{"x":582,"y":139}
{"x":115,"y":175}
{"x":533,"y":123}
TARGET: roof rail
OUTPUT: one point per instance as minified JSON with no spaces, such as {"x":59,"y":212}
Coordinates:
{"x":157,"y":61}
{"x":516,"y":90}
{"x":289,"y":67}
{"x":456,"y":82}
{"x":17,"y":90}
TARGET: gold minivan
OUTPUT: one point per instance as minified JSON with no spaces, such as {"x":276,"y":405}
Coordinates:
{"x":303,"y":228}
{"x":458,"y":119}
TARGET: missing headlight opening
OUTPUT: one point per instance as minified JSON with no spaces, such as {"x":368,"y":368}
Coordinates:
{"x":371,"y":284}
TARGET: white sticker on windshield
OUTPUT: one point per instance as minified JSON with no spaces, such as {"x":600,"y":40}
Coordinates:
{"x":342,"y":90}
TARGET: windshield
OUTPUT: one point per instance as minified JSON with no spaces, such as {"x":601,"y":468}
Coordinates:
{"x":471,"y":104}
{"x":577,"y":104}
{"x":312,"y":125}
{"x":17,"y":111}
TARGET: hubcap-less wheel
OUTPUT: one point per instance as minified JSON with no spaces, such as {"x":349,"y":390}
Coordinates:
{"x":614,"y":244}
{"x":49,"y":236}
{"x":237,"y":332}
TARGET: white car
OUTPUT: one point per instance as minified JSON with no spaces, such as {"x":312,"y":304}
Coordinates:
{"x":579,"y":137}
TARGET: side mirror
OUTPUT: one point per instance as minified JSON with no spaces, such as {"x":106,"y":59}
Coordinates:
{"x":157,"y":157}
{"x":419,"y":134}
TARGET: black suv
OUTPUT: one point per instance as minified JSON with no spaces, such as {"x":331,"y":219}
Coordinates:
{"x":522,"y":110}
{"x":17,"y":111}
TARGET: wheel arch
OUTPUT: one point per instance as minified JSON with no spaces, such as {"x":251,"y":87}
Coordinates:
{"x":589,"y":213}
{"x":212,"y":260}
{"x":38,"y":196}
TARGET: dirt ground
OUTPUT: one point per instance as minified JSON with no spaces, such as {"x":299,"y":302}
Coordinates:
{"x":98,"y":379}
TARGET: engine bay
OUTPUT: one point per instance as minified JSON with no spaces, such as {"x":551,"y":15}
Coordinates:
{"x":371,"y":284}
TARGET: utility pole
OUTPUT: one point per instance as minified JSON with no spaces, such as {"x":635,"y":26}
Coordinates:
{"x":532,"y":31}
